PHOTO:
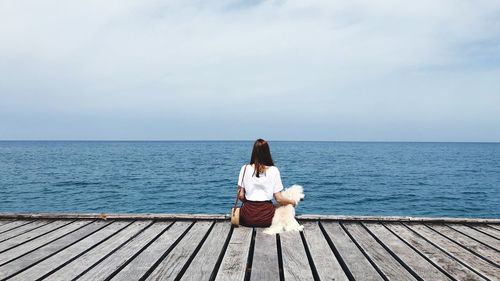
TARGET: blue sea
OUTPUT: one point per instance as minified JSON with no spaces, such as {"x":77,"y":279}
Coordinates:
{"x":339,"y":178}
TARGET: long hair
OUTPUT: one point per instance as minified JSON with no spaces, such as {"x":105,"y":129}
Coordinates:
{"x":261,"y":156}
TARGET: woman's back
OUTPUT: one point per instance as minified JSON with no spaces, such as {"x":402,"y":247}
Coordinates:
{"x":263,"y":187}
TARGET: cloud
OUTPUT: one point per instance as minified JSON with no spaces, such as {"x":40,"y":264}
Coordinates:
{"x":329,"y":65}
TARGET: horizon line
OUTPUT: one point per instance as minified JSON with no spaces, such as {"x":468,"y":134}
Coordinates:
{"x":233,"y":140}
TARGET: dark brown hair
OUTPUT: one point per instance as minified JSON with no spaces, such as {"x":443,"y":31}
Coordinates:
{"x":261,"y":156}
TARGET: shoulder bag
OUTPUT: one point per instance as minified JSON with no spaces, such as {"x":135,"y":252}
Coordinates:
{"x":235,"y":211}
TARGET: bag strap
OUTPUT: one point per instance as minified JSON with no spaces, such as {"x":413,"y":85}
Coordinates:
{"x":238,"y":191}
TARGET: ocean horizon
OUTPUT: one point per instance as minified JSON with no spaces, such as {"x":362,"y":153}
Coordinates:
{"x":401,"y":178}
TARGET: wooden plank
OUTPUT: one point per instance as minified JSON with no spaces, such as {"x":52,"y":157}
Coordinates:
{"x":106,"y":267}
{"x":325,"y":218}
{"x":203,"y":264}
{"x":295,"y":262}
{"x":58,"y":240}
{"x":487,"y":230}
{"x":265,"y":265}
{"x":477,"y":235}
{"x":389,"y":266}
{"x":161,"y":216}
{"x":327,"y":265}
{"x":79,"y":265}
{"x":234,"y":263}
{"x":147,"y":258}
{"x":469,"y":243}
{"x":13,"y":225}
{"x":114,"y":216}
{"x":495,"y":226}
{"x":2,"y":222}
{"x":22,"y":229}
{"x":66,"y":255}
{"x":171,"y":265}
{"x":30,"y":235}
{"x":358,"y":265}
{"x":439,"y":257}
{"x":35,"y":243}
{"x":412,"y":259}
{"x":456,"y":251}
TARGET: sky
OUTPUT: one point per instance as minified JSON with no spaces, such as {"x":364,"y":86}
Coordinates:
{"x":239,"y":70}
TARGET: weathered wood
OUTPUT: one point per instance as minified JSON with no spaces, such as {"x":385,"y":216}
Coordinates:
{"x":295,"y":263}
{"x":171,"y":265}
{"x":325,"y":218}
{"x":147,"y":258}
{"x":79,"y":265}
{"x":486,"y":252}
{"x":265,"y":265}
{"x":233,"y":266}
{"x":70,"y":253}
{"x":459,"y":253}
{"x":61,"y":238}
{"x":439,"y":257}
{"x":22,"y":229}
{"x":495,"y":226}
{"x":358,"y":265}
{"x":35,"y":243}
{"x":369,"y":248}
{"x":495,"y":222}
{"x":106,"y":267}
{"x":31,"y":235}
{"x":203,"y":264}
{"x":478,"y":236}
{"x":13,"y":225}
{"x":487,"y":230}
{"x":389,"y":266}
{"x":417,"y":263}
{"x":327,"y":265}
{"x":113,"y":216}
{"x":2,"y":222}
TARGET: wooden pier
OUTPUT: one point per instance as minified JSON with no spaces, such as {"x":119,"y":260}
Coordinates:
{"x":63,"y":246}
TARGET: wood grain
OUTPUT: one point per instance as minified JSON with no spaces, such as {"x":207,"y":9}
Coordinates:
{"x":233,"y":266}
{"x":171,"y":265}
{"x":13,"y":225}
{"x":79,"y":265}
{"x":31,"y":235}
{"x":69,"y":253}
{"x":106,"y":267}
{"x":22,"y":229}
{"x":390,"y":267}
{"x":358,"y":265}
{"x":203,"y":264}
{"x":327,"y":265}
{"x":488,"y":230}
{"x":478,"y":236}
{"x":486,"y":252}
{"x":439,"y":257}
{"x":265,"y":264}
{"x":457,"y":251}
{"x":146,"y":259}
{"x":417,"y":263}
{"x":59,"y":239}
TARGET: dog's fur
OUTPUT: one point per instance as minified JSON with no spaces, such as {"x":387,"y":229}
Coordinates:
{"x":284,"y":217}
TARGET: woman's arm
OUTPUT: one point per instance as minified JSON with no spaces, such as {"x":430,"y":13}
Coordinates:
{"x":241,"y":193}
{"x":282,"y":200}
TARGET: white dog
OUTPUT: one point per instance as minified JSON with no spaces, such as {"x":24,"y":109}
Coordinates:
{"x":284,"y":217}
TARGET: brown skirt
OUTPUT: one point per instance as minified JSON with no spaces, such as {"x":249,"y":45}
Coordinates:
{"x":257,"y":213}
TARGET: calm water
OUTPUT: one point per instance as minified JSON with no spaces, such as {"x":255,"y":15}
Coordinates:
{"x":418,"y":179}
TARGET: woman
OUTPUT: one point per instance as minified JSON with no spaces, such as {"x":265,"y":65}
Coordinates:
{"x":260,"y":182}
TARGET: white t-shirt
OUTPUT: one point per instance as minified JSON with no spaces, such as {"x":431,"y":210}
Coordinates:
{"x":260,"y":188}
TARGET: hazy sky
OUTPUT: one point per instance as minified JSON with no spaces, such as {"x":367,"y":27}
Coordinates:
{"x":280,"y":70}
